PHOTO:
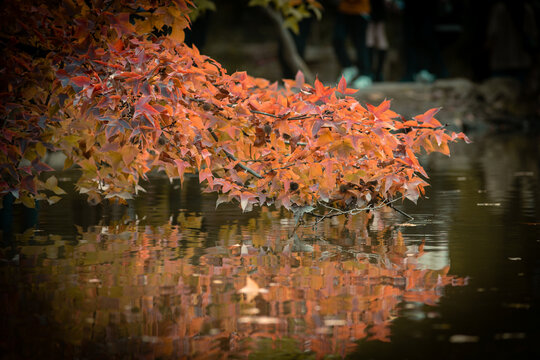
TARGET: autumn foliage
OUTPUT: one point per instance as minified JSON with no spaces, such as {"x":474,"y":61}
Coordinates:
{"x":112,"y":86}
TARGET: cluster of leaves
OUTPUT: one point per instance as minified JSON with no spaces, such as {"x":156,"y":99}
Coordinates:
{"x":102,"y":82}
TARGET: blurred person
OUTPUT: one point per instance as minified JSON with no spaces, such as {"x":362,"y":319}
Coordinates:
{"x":376,"y":40}
{"x":422,"y":53}
{"x":351,"y":21}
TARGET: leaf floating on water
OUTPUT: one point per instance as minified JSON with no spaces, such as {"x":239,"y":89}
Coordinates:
{"x":488,"y":204}
{"x":460,"y":338}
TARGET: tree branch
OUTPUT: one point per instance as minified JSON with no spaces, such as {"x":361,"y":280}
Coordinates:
{"x":294,"y":60}
{"x":234,"y":158}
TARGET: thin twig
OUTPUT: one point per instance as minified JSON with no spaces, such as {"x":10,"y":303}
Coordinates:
{"x":401,"y":212}
{"x":285,"y":167}
{"x":298,"y":117}
{"x":234,"y":158}
{"x":336,"y":212}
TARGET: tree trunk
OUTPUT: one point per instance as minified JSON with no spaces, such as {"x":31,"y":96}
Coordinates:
{"x":293,"y":59}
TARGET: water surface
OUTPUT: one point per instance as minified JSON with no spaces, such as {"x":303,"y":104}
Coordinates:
{"x":176,"y":278}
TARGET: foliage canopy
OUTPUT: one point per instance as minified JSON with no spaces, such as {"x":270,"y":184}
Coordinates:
{"x":112,"y":86}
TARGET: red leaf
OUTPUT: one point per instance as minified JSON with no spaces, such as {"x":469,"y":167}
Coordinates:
{"x":181,"y":165}
{"x":129,"y":74}
{"x":28,"y":183}
{"x":149,"y":109}
{"x":81,"y":81}
{"x":300,"y":81}
{"x":410,"y":123}
{"x":379,"y":110}
{"x":427,"y":117}
{"x":342,"y":87}
{"x":206,"y":174}
{"x":319,"y":87}
{"x":39,"y":166}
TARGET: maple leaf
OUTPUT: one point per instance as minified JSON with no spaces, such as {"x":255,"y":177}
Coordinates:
{"x":80,"y":81}
{"x":342,"y":87}
{"x":427,"y":119}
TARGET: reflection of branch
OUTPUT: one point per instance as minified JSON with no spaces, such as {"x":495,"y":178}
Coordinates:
{"x":337,"y":212}
{"x":401,"y":212}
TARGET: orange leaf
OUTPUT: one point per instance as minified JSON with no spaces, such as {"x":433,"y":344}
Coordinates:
{"x":427,"y":117}
{"x":342,"y":87}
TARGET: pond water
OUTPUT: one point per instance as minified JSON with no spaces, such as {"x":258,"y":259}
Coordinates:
{"x":176,"y":278}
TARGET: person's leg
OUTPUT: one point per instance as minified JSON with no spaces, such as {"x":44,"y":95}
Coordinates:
{"x":371,"y":43}
{"x":382,"y":47}
{"x":358,"y":32}
{"x":410,"y":45}
{"x":300,"y":40}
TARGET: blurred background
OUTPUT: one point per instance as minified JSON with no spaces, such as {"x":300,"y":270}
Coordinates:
{"x":476,"y":58}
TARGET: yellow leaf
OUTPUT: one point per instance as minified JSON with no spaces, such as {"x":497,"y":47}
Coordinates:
{"x":41,"y":150}
{"x":292,"y":23}
{"x":68,"y":163}
{"x":28,"y":201}
{"x":354,"y":177}
{"x":58,"y":190}
{"x":53,"y":199}
{"x":325,"y":137}
{"x":143,"y":27}
{"x":342,"y":148}
{"x":51,"y":183}
{"x":158,"y":21}
{"x":178,"y":29}
{"x":129,"y":153}
{"x":124,"y":195}
{"x":115,"y":159}
{"x":88,"y":165}
{"x":174,"y":12}
{"x":315,"y":171}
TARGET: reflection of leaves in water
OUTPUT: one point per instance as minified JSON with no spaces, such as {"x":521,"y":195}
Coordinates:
{"x":142,"y":283}
{"x":285,"y":348}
